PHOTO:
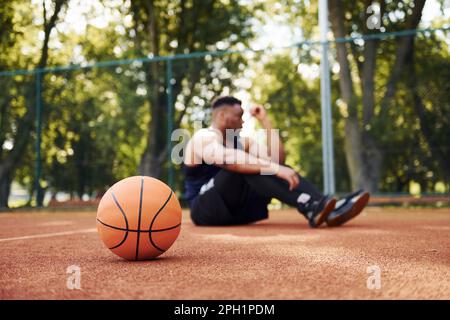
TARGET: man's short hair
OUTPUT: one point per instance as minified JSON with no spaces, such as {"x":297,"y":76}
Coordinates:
{"x":225,"y":101}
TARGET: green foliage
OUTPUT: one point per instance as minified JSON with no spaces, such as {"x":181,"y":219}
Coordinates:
{"x":164,"y":28}
{"x":411,"y":153}
{"x":96,"y":121}
{"x":414,"y":154}
{"x":93,"y":135}
{"x":293,"y":101}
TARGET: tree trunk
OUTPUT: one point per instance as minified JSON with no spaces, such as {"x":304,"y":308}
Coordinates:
{"x":364,"y":157}
{"x":5,"y":188}
{"x":404,"y":45}
{"x":371,"y":153}
{"x":354,"y":142}
{"x":152,"y":161}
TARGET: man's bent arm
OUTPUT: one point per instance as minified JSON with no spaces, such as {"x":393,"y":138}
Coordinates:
{"x":274,"y":139}
{"x":213,"y":152}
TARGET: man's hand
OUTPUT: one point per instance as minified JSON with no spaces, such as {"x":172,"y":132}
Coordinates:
{"x":274,"y":143}
{"x":259,"y":113}
{"x":289,"y":175}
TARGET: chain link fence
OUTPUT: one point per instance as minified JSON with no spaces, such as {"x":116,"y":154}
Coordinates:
{"x":91,"y":125}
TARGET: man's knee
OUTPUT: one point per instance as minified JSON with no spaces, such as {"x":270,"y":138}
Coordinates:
{"x":225,"y":179}
{"x":259,"y":179}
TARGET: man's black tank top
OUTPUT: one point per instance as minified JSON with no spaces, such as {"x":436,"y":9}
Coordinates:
{"x":197,"y":176}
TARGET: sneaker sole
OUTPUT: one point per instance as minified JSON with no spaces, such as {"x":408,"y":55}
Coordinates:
{"x":322,"y":216}
{"x":356,"y":209}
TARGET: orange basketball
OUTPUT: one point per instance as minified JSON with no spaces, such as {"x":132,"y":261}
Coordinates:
{"x":139,"y":218}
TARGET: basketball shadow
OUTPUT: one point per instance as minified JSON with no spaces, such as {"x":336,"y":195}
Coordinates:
{"x":157,"y":260}
{"x":282,"y":226}
{"x":270,"y":225}
{"x":278,"y":226}
{"x":301,"y":226}
{"x":357,"y":225}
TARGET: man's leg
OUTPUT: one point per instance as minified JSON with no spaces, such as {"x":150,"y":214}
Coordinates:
{"x":305,"y":197}
{"x":228,"y":200}
{"x":209,"y":209}
{"x":240,"y":199}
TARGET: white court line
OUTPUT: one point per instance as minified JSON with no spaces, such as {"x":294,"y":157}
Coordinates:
{"x":46,"y":235}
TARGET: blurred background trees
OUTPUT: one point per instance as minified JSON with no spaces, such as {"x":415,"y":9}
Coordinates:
{"x":390,"y":97}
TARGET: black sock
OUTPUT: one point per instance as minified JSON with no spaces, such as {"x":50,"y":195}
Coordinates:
{"x":308,"y":195}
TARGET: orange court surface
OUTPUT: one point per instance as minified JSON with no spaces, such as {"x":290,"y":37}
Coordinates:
{"x":279,"y":258}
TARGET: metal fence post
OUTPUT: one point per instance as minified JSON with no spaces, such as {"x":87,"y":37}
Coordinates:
{"x":38,"y":165}
{"x":327,"y":128}
{"x":169,"y":77}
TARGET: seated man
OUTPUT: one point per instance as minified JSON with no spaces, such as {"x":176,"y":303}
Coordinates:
{"x":229,"y":182}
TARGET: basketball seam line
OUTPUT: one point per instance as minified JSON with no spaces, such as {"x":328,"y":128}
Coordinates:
{"x":139,"y":219}
{"x":132,"y":230}
{"x":126,"y":221}
{"x":153,"y":221}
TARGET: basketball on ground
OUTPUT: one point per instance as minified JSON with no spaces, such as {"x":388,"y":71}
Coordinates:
{"x":139,"y":218}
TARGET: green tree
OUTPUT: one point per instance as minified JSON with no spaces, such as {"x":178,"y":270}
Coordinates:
{"x":17,"y":130}
{"x":366,"y":117}
{"x":293,"y":101}
{"x":179,"y":27}
{"x":96,"y":118}
{"x":387,"y":114}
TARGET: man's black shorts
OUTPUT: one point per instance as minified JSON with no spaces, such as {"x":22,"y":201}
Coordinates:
{"x":228,"y":200}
